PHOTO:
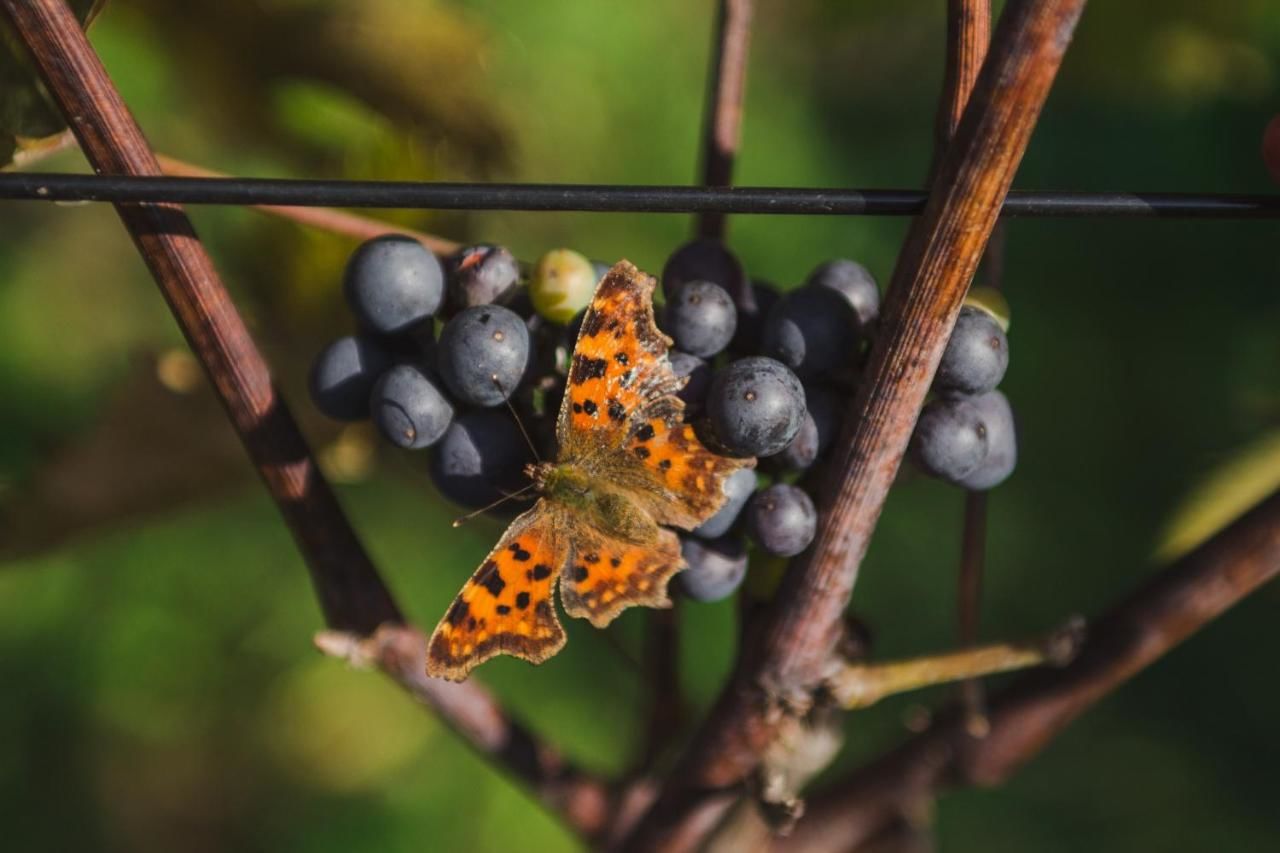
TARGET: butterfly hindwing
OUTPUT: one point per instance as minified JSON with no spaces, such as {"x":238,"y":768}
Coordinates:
{"x":506,"y":607}
{"x":683,"y":481}
{"x":607,"y":575}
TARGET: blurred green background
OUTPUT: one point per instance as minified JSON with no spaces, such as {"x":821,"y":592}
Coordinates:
{"x":159,"y":686}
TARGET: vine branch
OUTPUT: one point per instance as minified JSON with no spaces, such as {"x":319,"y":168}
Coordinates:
{"x":353,"y":597}
{"x":1037,"y":706}
{"x":796,"y":638}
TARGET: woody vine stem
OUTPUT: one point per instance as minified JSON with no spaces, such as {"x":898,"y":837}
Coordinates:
{"x":788,"y":650}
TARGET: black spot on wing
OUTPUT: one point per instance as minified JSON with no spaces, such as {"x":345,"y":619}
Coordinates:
{"x":585,"y":367}
{"x":616,"y":411}
{"x":457,"y":612}
{"x":522,"y":600}
{"x":490,"y":579}
{"x":592,"y":324}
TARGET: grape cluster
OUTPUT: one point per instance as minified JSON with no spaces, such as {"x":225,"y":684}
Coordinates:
{"x":443,"y":348}
{"x":966,"y":434}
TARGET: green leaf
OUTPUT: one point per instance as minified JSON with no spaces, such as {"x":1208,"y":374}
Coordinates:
{"x":27,"y":113}
{"x":1231,"y":489}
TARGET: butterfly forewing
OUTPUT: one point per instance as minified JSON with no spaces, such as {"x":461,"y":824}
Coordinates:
{"x":619,"y":364}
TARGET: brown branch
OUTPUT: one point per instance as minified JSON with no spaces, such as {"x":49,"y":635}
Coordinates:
{"x":796,"y":638}
{"x":1033,"y":710}
{"x":351,"y":593}
{"x":401,"y":652}
{"x":353,"y":596}
{"x":723,"y":121}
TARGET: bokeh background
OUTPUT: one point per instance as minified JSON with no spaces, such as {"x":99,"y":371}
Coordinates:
{"x":159,"y":688}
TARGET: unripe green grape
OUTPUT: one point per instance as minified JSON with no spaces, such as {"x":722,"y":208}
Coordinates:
{"x":562,"y":284}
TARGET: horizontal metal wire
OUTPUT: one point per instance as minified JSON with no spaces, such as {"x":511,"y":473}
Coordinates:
{"x":608,"y":199}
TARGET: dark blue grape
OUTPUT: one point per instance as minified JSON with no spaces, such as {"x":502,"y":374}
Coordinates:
{"x":852,"y":281}
{"x":703,"y":259}
{"x":1002,"y":442}
{"x":343,"y":374}
{"x":393,"y":283}
{"x":753,"y":306}
{"x":738,"y":488}
{"x":976,"y":356}
{"x":951,"y":439}
{"x":408,"y":408}
{"x":480,"y":458}
{"x":694,"y":393}
{"x":480,"y":275}
{"x":827,"y":407}
{"x":756,"y":406}
{"x":483,"y":353}
{"x":811,"y":330}
{"x":700,"y":318}
{"x":782,"y":519}
{"x":715,"y":568}
{"x":803,"y":449}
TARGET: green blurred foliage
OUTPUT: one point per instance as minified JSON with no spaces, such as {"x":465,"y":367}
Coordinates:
{"x":160,"y":688}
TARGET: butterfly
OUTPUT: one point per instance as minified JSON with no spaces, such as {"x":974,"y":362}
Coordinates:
{"x":627,"y":466}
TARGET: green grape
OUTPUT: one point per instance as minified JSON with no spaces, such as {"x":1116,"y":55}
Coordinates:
{"x":562,"y":285}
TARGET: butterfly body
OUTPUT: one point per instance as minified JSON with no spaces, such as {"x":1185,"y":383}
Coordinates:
{"x":605,"y":508}
{"x":628,"y":466}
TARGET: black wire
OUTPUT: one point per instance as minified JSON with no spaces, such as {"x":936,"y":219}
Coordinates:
{"x":609,"y":199}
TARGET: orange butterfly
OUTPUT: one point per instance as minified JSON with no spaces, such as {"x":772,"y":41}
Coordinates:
{"x":627,"y":464}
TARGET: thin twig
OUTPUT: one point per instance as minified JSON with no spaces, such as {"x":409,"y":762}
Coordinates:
{"x":353,"y":597}
{"x":795,"y":642}
{"x":722,"y":128}
{"x":1033,"y":710}
{"x":325,"y":218}
{"x":968,"y":34}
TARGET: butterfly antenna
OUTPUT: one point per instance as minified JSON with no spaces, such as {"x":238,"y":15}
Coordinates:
{"x":463,"y":519}
{"x":516,"y":417}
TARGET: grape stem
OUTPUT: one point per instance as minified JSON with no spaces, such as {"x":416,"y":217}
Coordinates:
{"x":968,"y":35}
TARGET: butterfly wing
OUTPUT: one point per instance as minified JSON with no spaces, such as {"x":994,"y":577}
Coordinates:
{"x":620,"y":419}
{"x":506,"y":607}
{"x":606,"y":575}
